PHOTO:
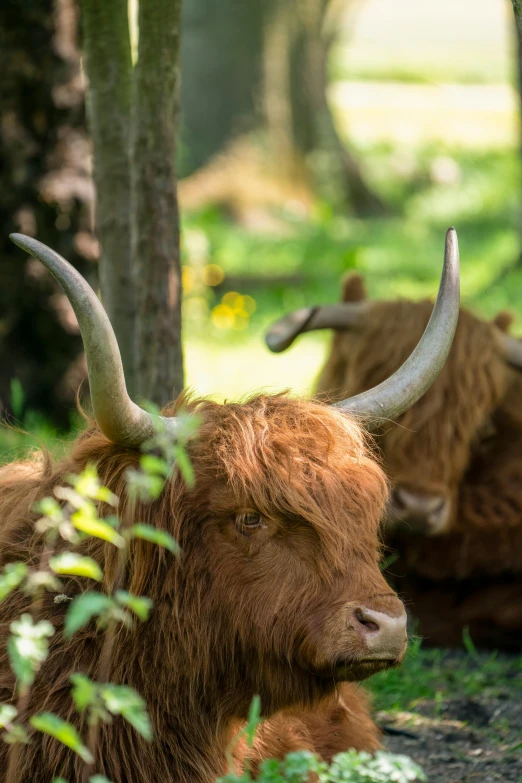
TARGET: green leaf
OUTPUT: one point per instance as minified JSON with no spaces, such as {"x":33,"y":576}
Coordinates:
{"x":87,"y":485}
{"x":469,"y":644}
{"x":87,"y":522}
{"x":21,"y":666}
{"x":28,"y":647}
{"x":155,"y":536}
{"x":185,"y":465}
{"x":17,"y":398}
{"x":50,"y":508}
{"x":99,"y":779}
{"x":254,"y":719}
{"x":12,"y":576}
{"x":153,"y":465}
{"x":27,"y":628}
{"x":59,"y":780}
{"x":140,"y":605}
{"x":122,"y":700}
{"x":16,"y":735}
{"x":84,"y":691}
{"x":83,"y":608}
{"x":48,"y":723}
{"x":144,"y":486}
{"x":301,"y":765}
{"x":7,"y":713}
{"x":76,"y":565}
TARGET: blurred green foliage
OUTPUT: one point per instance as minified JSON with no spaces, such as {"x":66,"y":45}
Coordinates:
{"x":237,"y":280}
{"x":301,"y":259}
{"x":400,"y":255}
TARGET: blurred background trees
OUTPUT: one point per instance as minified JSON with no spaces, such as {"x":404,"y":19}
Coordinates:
{"x":316,"y":136}
{"x":260,"y":70}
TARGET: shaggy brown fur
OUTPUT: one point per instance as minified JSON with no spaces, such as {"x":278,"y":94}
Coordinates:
{"x":240,"y":613}
{"x":463,"y":441}
{"x":339,"y":722}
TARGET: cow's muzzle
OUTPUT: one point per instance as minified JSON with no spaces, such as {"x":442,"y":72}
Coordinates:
{"x":383,"y":636}
{"x":419,"y":512}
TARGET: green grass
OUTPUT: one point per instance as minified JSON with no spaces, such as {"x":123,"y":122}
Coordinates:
{"x":438,"y":675}
{"x":399,"y":256}
{"x":19,"y":438}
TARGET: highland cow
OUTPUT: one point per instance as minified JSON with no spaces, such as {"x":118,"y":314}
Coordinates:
{"x":278,"y":591}
{"x":454,"y":459}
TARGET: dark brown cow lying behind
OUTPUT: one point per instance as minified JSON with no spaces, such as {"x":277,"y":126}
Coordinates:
{"x":455,"y":460}
{"x":278,"y":591}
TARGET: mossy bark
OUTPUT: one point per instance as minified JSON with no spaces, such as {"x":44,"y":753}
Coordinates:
{"x":155,"y":224}
{"x":108,"y":65}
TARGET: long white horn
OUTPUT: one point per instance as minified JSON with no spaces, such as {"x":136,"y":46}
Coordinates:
{"x":118,"y":417}
{"x":391,"y":398}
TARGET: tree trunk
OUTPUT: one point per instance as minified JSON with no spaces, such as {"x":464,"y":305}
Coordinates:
{"x":261,"y":66}
{"x":109,"y":69}
{"x":221,"y":63}
{"x":45,"y":191}
{"x":313,"y":123}
{"x":155,"y":225}
{"x":517,"y":11}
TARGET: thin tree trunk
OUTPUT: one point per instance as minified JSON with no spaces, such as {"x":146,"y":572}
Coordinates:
{"x":517,"y":9}
{"x":261,"y":65}
{"x":314,"y":123}
{"x":155,"y":224}
{"x":109,"y":69}
{"x":221,"y":63}
{"x":276,"y":84}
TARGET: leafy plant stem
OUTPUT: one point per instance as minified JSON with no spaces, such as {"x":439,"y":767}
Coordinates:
{"x":35,"y":610}
{"x":104,"y":671}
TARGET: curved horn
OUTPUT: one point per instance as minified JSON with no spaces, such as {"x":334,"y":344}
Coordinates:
{"x":398,"y":393}
{"x":118,"y":417}
{"x":512,"y":350}
{"x":282,"y":334}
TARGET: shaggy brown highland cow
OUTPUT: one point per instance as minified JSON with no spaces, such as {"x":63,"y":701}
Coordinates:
{"x":454,"y":458}
{"x":278,"y":591}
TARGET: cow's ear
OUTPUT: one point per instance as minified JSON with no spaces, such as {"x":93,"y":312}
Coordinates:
{"x":503,"y":320}
{"x":353,"y":289}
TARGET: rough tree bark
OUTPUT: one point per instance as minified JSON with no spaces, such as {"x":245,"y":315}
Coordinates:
{"x":108,"y":64}
{"x":45,"y":191}
{"x":155,"y":226}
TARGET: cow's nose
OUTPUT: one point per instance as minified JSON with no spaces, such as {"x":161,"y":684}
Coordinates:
{"x":422,"y":512}
{"x":384,"y":636}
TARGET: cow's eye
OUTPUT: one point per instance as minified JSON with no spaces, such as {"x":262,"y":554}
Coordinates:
{"x":249,"y":521}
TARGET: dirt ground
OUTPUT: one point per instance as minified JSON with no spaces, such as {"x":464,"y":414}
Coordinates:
{"x":460,"y":739}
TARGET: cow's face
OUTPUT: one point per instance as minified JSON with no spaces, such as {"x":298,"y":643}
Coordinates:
{"x":428,"y":450}
{"x":282,"y":553}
